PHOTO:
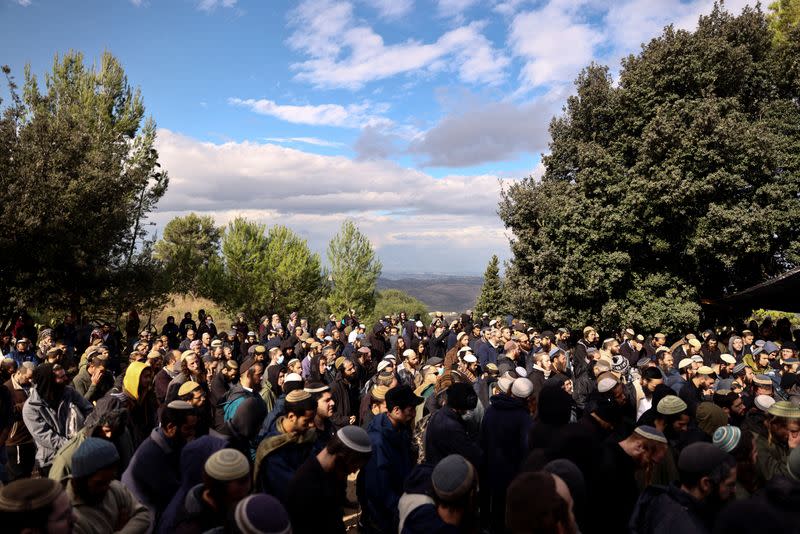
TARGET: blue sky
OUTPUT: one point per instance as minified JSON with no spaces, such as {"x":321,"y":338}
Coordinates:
{"x":400,"y":114}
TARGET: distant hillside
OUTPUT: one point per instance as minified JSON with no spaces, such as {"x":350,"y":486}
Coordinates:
{"x":440,"y":293}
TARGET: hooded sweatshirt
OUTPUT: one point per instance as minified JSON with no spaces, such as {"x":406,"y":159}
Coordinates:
{"x":52,"y":426}
{"x":142,"y":411}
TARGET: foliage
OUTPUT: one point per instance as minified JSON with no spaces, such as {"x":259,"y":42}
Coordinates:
{"x":354,"y":272}
{"x":266,"y":271}
{"x":784,"y":16}
{"x":394,"y":301}
{"x":78,"y":176}
{"x":760,"y":315}
{"x":187,"y":248}
{"x":492,"y":297}
{"x":678,"y":183}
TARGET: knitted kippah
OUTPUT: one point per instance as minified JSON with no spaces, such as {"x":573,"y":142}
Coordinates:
{"x":784,"y":409}
{"x":298,"y":395}
{"x":227,"y":465}
{"x":379,"y":392}
{"x":522,"y":388}
{"x":727,"y":437}
{"x":763,"y":402}
{"x":650,"y":432}
{"x":356,"y":438}
{"x":293,"y":377}
{"x":29,"y":494}
{"x":187,"y":387}
{"x":606,"y":382}
{"x":505,"y":383}
{"x":453,"y":477}
{"x":180,"y":405}
{"x":670,"y":405}
{"x":262,"y":514}
{"x":316,"y":387}
{"x":762,"y":380}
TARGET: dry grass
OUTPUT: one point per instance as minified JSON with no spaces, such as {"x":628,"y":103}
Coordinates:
{"x":180,"y":304}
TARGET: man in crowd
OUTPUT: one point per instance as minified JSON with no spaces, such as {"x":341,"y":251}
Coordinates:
{"x":391,"y":461}
{"x":637,"y":459}
{"x":103,"y":504}
{"x":48,"y":410}
{"x":153,"y":475}
{"x":324,"y":475}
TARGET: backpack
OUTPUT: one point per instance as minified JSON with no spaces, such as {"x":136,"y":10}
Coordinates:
{"x":229,"y":407}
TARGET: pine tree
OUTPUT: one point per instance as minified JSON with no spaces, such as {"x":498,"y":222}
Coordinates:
{"x":354,"y":272}
{"x":492,"y":298}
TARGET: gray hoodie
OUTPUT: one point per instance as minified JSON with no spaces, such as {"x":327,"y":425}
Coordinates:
{"x":51,"y":428}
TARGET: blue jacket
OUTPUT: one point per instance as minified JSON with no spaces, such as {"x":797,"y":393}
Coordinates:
{"x":425,"y":519}
{"x":486,"y":354}
{"x":278,"y":409}
{"x":20,"y":357}
{"x":153,"y":476}
{"x":383,"y":476}
{"x":278,"y":457}
{"x":504,"y":441}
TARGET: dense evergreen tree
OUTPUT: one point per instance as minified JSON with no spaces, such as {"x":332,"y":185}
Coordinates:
{"x":492,"y":297}
{"x":676,"y":184}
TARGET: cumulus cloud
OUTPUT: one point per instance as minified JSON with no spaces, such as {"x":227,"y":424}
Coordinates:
{"x":377,"y":143}
{"x":554,"y":42}
{"x":344,"y":53}
{"x":254,"y":175}
{"x":403,"y":211}
{"x":489,"y":132}
{"x":350,"y":116}
{"x":632,"y":22}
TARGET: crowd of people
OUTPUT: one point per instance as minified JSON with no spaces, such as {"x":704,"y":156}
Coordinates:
{"x":473,"y":424}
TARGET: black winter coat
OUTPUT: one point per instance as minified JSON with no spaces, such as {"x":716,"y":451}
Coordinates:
{"x":447,"y":434}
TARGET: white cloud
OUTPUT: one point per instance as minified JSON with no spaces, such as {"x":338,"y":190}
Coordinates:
{"x":555,"y":44}
{"x":633,"y":22}
{"x":345,"y":54}
{"x":305,"y":140}
{"x":508,"y":7}
{"x":435,"y":224}
{"x":454,"y":8}
{"x":392,"y":9}
{"x":557,"y":39}
{"x":210,"y":5}
{"x":24,"y":3}
{"x":350,"y":116}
